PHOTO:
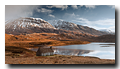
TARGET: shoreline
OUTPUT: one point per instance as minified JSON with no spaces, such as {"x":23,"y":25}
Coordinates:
{"x":17,"y":51}
{"x":17,"y":55}
{"x":57,"y":59}
{"x":36,"y":44}
{"x":75,"y":55}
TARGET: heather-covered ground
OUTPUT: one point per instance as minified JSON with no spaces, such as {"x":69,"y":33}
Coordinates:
{"x":16,"y":48}
{"x":17,"y":55}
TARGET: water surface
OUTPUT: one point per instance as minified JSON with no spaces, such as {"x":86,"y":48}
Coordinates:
{"x":95,"y":49}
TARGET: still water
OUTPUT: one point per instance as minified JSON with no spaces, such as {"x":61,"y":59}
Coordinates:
{"x":94,"y":49}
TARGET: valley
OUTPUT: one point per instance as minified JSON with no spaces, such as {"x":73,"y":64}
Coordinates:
{"x":25,"y":33}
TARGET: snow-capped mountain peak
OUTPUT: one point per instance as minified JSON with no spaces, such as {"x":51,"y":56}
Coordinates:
{"x":60,"y":24}
{"x":27,"y":22}
{"x":107,"y":31}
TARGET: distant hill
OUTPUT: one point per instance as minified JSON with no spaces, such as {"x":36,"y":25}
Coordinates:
{"x":103,"y":38}
{"x":107,"y":31}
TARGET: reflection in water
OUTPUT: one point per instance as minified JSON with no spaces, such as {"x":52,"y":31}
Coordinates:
{"x":94,"y":49}
{"x":74,"y":52}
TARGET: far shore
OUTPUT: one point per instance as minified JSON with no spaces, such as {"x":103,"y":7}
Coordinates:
{"x":36,"y":44}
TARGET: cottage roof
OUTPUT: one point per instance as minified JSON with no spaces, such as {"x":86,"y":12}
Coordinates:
{"x":44,"y":50}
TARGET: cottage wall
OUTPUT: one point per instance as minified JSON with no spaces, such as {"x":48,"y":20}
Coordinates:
{"x":47,"y":54}
{"x":44,"y":51}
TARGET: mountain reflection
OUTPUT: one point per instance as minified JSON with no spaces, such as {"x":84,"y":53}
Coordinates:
{"x":74,"y":52}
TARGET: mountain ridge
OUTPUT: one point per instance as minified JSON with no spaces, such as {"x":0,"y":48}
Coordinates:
{"x":38,"y":25}
{"x":107,"y":30}
{"x":60,"y":24}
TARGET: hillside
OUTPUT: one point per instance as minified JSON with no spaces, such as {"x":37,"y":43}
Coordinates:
{"x":10,"y":38}
{"x":60,"y":24}
{"x":103,"y":38}
{"x":29,"y":25}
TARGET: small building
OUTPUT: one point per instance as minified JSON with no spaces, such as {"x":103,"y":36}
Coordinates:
{"x":44,"y":51}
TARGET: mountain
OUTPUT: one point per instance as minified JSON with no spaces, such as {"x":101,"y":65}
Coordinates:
{"x":60,"y":24}
{"x":107,"y":31}
{"x":27,"y":25}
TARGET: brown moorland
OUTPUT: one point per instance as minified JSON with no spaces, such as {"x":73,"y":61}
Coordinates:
{"x":16,"y":49}
{"x":32,"y":40}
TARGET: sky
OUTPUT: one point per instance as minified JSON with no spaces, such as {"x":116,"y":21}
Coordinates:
{"x":94,"y":16}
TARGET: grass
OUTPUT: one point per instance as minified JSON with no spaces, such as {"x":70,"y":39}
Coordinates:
{"x":34,"y":44}
{"x":18,"y":52}
{"x":16,"y":49}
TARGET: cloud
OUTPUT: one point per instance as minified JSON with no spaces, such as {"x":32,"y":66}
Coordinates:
{"x":73,"y":15}
{"x":69,"y":16}
{"x":112,"y":6}
{"x":44,"y":10}
{"x":16,"y":11}
{"x":99,"y":24}
{"x":51,"y":15}
{"x":89,"y":6}
{"x":112,"y":28}
{"x":74,"y":6}
{"x":106,"y":22}
{"x":59,"y":6}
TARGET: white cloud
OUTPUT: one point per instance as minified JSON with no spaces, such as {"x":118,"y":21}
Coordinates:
{"x":74,"y":6}
{"x":106,"y":24}
{"x":38,"y":10}
{"x":16,"y":11}
{"x":99,"y":22}
{"x":44,"y":10}
{"x":112,"y":6}
{"x":94,"y":6}
{"x":112,"y":28}
{"x":70,"y":15}
{"x":83,"y":19}
{"x":59,"y":6}
{"x":89,"y":6}
{"x":51,"y":15}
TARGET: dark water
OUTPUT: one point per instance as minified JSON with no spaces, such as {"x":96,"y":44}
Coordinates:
{"x":94,"y":49}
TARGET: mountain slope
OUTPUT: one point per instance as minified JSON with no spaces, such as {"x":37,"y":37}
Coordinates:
{"x":107,"y":31}
{"x":63,"y":25}
{"x":27,"y":25}
{"x":28,"y":22}
{"x":103,"y":38}
{"x":60,"y":24}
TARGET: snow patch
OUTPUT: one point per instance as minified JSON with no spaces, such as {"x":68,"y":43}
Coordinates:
{"x":27,"y":23}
